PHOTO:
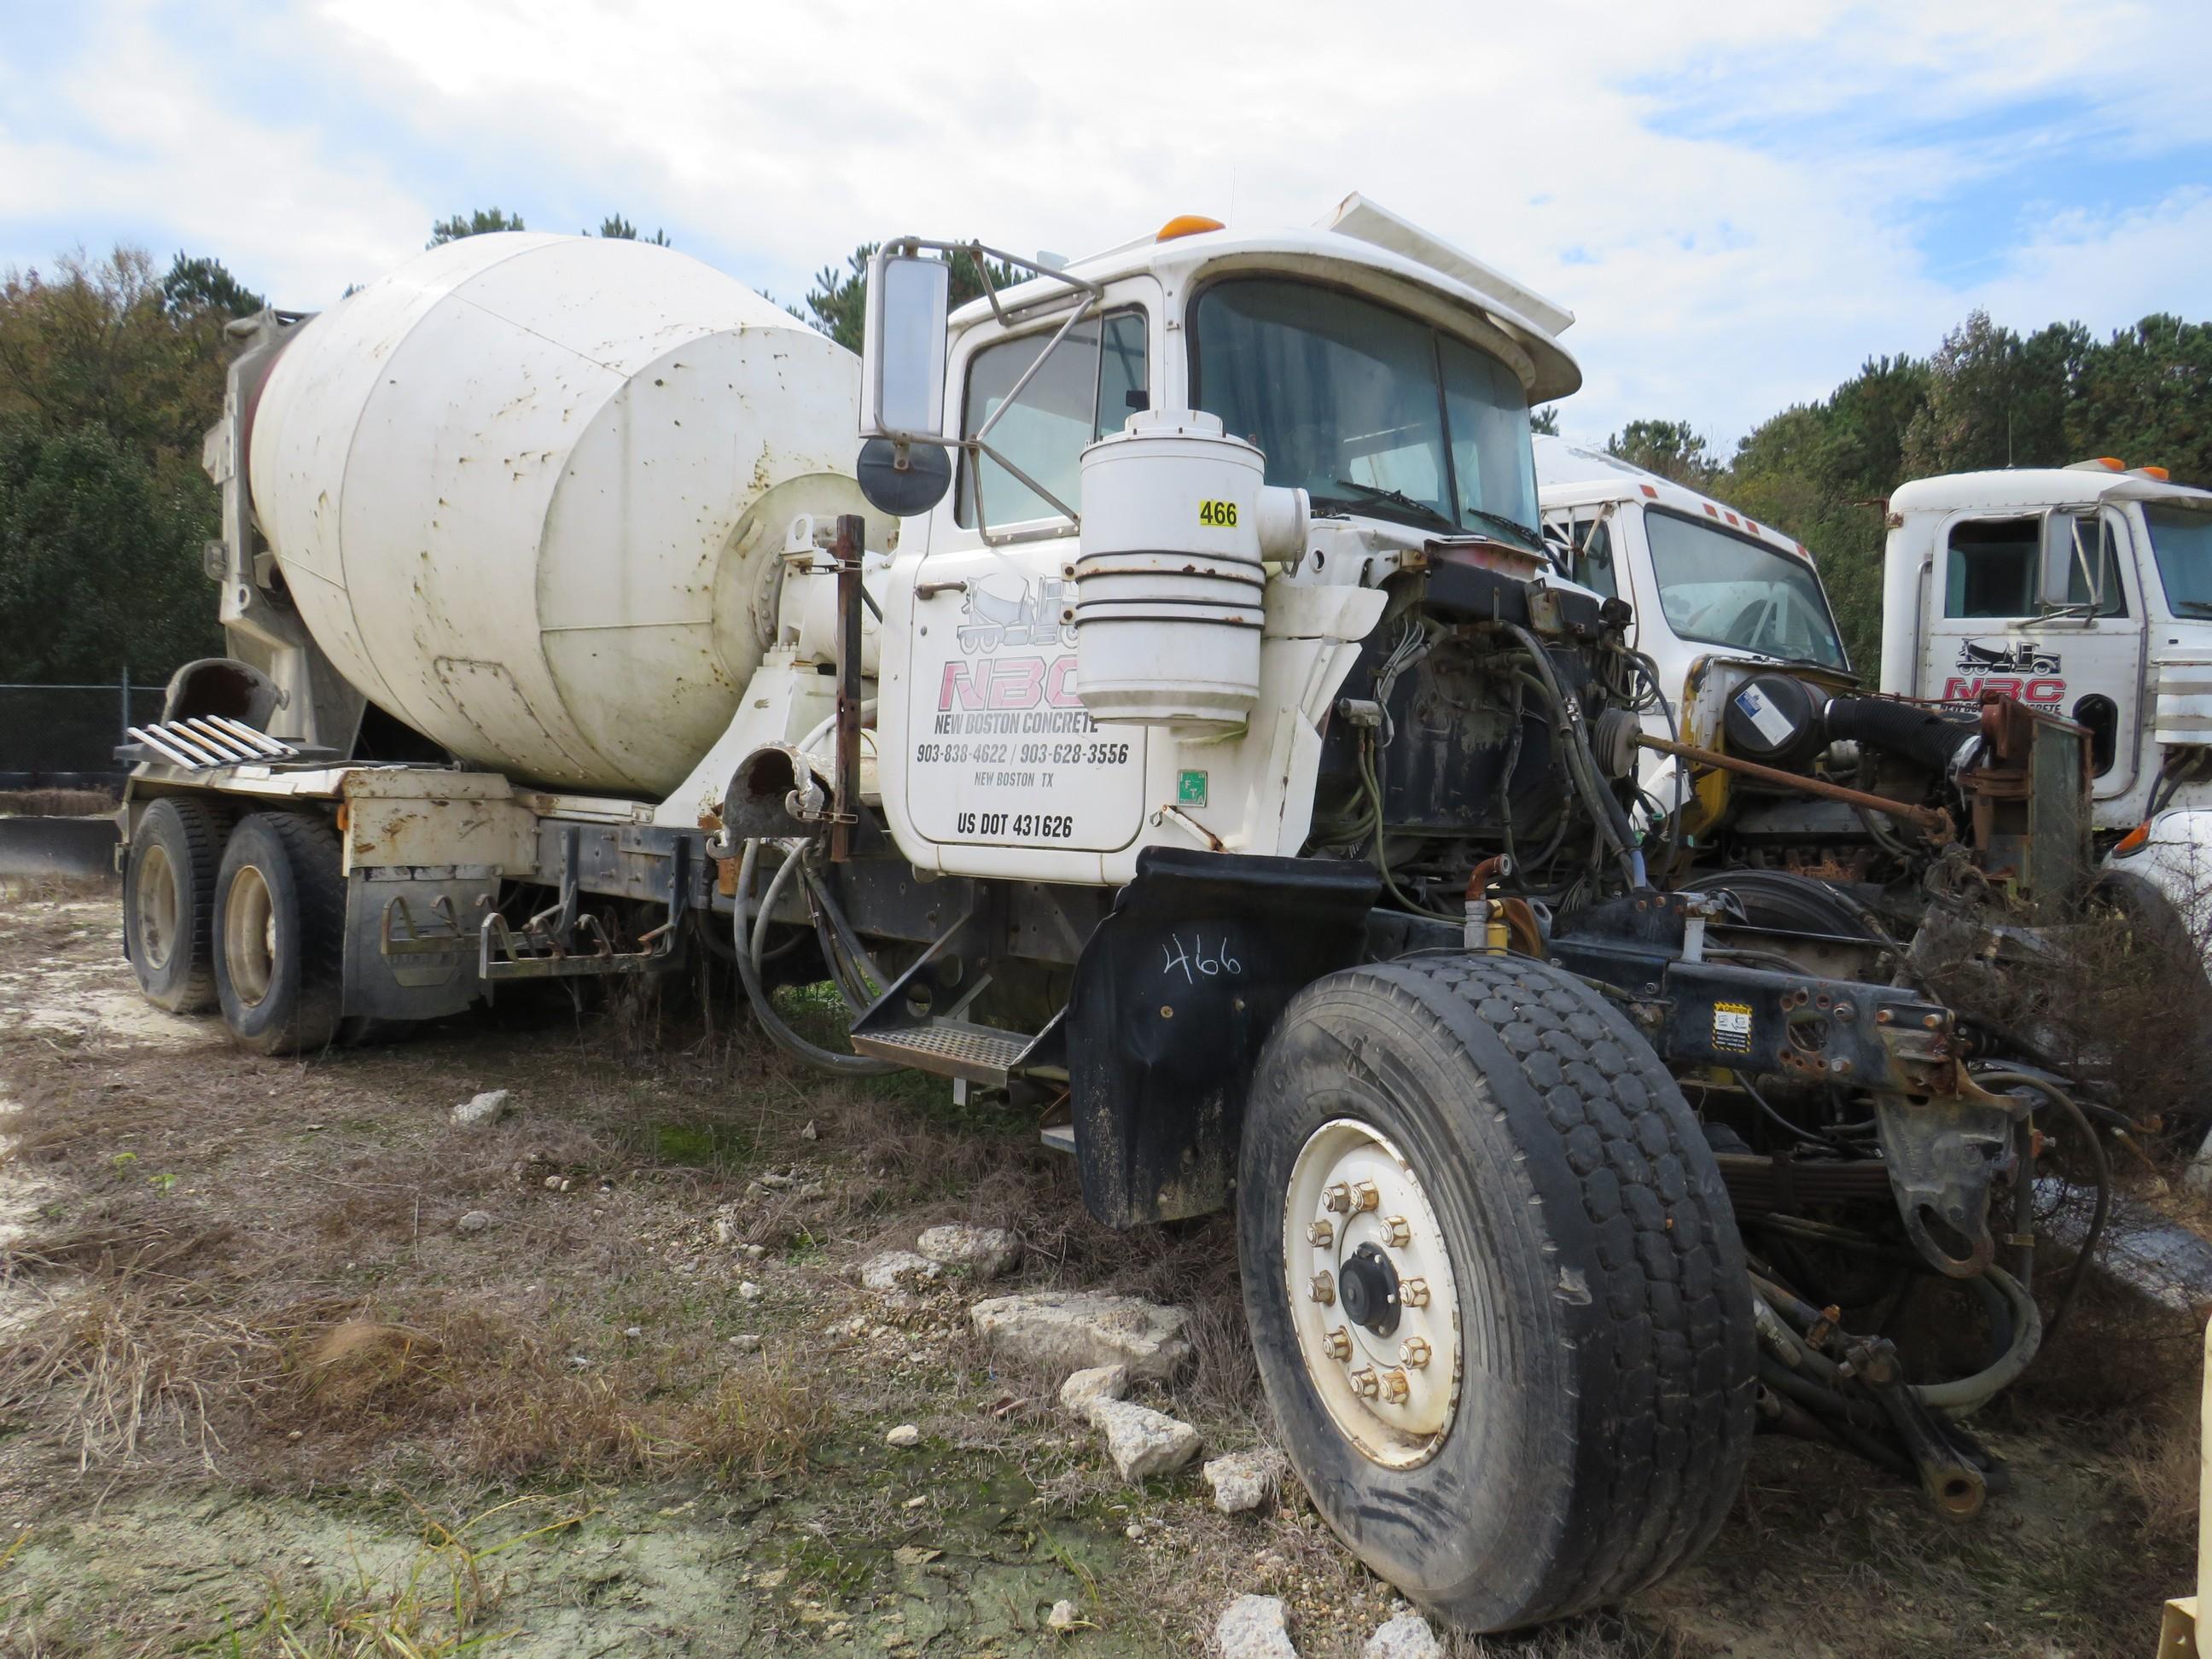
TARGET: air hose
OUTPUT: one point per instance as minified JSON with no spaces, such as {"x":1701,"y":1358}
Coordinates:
{"x":750,"y":940}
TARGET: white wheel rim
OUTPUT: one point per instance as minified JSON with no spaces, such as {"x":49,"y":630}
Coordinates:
{"x":249,"y":935}
{"x":1392,"y":1385}
{"x":159,"y":923}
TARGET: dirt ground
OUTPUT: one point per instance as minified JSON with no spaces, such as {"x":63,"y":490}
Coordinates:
{"x":261,"y":1391}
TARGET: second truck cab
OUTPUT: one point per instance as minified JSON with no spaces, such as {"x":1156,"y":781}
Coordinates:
{"x":2085,"y":591}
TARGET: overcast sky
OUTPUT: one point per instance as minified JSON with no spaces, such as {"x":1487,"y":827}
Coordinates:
{"x":1740,"y":202}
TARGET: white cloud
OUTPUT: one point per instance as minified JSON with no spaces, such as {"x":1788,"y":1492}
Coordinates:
{"x":1734,"y":199}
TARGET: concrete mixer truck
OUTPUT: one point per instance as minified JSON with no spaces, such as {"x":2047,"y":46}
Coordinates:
{"x":1168,"y":720}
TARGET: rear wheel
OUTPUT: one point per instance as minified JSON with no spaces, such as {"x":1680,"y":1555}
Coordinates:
{"x":1499,"y":1302}
{"x":280,"y":934}
{"x":168,"y":898}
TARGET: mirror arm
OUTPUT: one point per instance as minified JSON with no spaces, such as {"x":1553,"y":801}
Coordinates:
{"x":977,"y":446}
{"x":1014,"y":394}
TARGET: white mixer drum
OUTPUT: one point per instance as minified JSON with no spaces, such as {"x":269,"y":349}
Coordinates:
{"x":529,"y":493}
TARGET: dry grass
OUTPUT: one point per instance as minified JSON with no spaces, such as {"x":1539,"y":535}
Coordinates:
{"x":56,"y":803}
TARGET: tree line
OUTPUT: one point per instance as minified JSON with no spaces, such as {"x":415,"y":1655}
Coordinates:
{"x":1988,"y":396}
{"x":112,"y":371}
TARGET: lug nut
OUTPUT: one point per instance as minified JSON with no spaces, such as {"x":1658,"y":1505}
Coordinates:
{"x":1364,"y":1382}
{"x":1413,"y":1292}
{"x":1337,"y":1195}
{"x":1395,"y":1388}
{"x":1324,"y":1288}
{"x":1366,"y":1195}
{"x":1413,"y":1352}
{"x":1321,"y":1233}
{"x":1339,"y":1342}
{"x":1396,"y":1233}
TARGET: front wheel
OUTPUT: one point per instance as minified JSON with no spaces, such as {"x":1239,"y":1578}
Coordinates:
{"x":1495,"y":1286}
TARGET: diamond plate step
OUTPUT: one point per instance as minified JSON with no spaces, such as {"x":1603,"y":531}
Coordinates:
{"x":948,"y":1048}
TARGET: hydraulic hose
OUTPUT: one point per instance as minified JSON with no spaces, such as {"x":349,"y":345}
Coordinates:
{"x":1611,"y":819}
{"x":1966,"y":1393}
{"x":748,"y":942}
{"x":2098,"y":1215}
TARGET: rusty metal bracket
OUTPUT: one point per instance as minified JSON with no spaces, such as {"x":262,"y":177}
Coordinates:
{"x":1942,"y":1153}
{"x":850,"y":550}
{"x":1934,"y":820}
{"x":544,"y":947}
{"x":413,"y":941}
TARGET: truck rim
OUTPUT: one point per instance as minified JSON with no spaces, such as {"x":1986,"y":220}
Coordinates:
{"x":157,"y":903}
{"x":249,"y":935}
{"x":1372,"y":1294}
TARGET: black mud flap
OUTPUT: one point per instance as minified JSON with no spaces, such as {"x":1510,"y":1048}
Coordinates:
{"x":1174,"y":994}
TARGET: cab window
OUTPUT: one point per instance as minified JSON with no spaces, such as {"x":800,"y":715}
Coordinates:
{"x":1086,"y":388}
{"x":2082,"y":548}
{"x":1582,"y":545}
{"x":1990,"y":567}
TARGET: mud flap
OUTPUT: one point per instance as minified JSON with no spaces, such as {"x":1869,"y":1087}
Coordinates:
{"x":401,"y":903}
{"x":1174,"y":994}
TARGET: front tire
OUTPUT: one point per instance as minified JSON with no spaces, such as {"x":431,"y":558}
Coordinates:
{"x":168,"y":899}
{"x":280,"y":934}
{"x":1579,"y":1422}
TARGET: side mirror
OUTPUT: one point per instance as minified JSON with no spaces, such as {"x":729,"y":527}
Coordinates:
{"x":903,"y":357}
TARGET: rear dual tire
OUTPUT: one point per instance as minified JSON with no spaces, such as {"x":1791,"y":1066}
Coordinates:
{"x":1568,"y":1418}
{"x":278,"y":923}
{"x":168,"y":902}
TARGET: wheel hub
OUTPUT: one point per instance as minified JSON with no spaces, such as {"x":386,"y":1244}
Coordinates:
{"x":1373,"y":1297}
{"x":1369,"y":1285}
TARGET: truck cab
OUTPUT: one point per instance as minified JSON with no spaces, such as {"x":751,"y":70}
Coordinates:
{"x":2085,"y":591}
{"x":1719,"y":598}
{"x":1383,"y":380}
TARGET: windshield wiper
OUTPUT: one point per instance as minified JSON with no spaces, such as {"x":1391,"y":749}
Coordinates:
{"x":2191,"y":607}
{"x":1396,"y":498}
{"x":1526,"y":533}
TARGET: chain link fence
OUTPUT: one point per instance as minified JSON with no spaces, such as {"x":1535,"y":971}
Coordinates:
{"x":65,"y":737}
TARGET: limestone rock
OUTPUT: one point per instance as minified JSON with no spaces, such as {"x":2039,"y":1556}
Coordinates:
{"x":1067,"y":1331}
{"x":907,"y":1434}
{"x":1099,"y":1383}
{"x":1141,"y":1441}
{"x":1405,"y":1636}
{"x":480,"y":1110}
{"x":474,"y":1222}
{"x":892,"y":1269}
{"x":1251,"y":1627}
{"x":1244,"y":1480}
{"x":986,"y":1252}
{"x":1062,"y":1618}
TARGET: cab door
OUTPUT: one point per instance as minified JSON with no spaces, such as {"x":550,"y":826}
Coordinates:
{"x":998,"y":749}
{"x":2042,"y":607}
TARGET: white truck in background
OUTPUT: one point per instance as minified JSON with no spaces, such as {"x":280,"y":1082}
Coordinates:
{"x":2085,"y":590}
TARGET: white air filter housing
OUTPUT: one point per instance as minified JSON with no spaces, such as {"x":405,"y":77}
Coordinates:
{"x":1169,"y":583}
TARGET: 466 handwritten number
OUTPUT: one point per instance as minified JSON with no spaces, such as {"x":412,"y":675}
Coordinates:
{"x":1195,"y":963}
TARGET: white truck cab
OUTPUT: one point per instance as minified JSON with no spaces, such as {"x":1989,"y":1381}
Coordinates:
{"x":1381,"y":377}
{"x":2086,"y":590}
{"x":1718,"y":597}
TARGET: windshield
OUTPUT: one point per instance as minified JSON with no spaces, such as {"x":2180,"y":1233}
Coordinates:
{"x":2182,"y":542}
{"x":1365,"y":409}
{"x":1730,"y":590}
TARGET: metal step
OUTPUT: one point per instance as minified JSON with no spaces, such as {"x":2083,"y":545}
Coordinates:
{"x":201,"y":743}
{"x":949,"y":1048}
{"x":1061,"y":1137}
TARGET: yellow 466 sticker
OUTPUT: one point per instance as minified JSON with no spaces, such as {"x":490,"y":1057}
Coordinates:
{"x":1221,"y":516}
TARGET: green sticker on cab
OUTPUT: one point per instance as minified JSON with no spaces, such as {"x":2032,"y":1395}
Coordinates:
{"x":1190,"y":789}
